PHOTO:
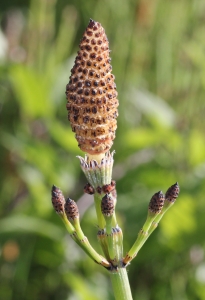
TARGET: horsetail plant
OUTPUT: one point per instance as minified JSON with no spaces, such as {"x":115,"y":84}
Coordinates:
{"x":92,"y":111}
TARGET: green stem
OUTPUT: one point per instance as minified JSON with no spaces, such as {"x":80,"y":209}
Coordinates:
{"x":149,"y":226}
{"x":141,"y":239}
{"x":100,"y":217}
{"x":78,"y":236}
{"x":85,"y":245}
{"x":114,"y":220}
{"x":120,"y":284}
{"x":102,"y":238}
{"x":156,"y":221}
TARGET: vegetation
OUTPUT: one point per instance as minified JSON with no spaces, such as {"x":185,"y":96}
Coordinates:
{"x":158,"y":60}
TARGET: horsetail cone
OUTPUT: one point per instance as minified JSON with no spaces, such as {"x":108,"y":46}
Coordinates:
{"x":107,"y":206}
{"x":57,"y":199}
{"x":172,"y":193}
{"x":91,"y":93}
{"x":71,"y":209}
{"x":156,"y":203}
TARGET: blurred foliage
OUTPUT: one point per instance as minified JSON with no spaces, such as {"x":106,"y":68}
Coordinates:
{"x":158,"y":58}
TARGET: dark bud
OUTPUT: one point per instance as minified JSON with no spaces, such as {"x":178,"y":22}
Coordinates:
{"x":58,"y":199}
{"x":172,"y":193}
{"x":71,"y":209}
{"x":156,"y":203}
{"x":99,"y":190}
{"x":108,"y":188}
{"x":88,"y":189}
{"x":107,"y":205}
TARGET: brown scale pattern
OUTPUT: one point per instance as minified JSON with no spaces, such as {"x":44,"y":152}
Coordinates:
{"x":58,"y":199}
{"x":88,"y":189}
{"x":107,"y":205}
{"x":156,"y":202}
{"x":71,"y":209}
{"x":91,"y":93}
{"x":172,"y":192}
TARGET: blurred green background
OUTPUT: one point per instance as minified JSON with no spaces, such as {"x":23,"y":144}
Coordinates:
{"x":158,"y":58}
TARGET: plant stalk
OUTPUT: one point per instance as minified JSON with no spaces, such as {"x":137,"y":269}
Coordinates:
{"x":120,"y":284}
{"x":100,"y":217}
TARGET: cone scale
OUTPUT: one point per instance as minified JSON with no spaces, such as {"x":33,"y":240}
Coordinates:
{"x":91,"y":93}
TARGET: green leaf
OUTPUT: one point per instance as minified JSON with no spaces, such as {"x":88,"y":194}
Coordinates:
{"x":28,"y":224}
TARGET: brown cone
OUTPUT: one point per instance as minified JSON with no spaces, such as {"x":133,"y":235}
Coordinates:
{"x":58,"y":199}
{"x":172,"y":192}
{"x":107,"y":206}
{"x":91,"y":93}
{"x":71,"y":209}
{"x":156,"y":202}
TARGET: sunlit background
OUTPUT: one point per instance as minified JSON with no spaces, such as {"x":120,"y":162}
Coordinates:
{"x":158,"y":59}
